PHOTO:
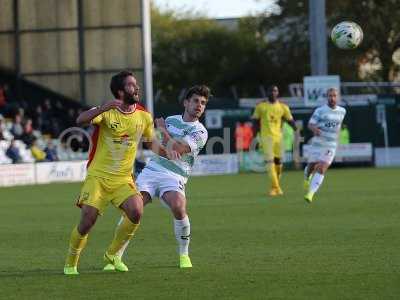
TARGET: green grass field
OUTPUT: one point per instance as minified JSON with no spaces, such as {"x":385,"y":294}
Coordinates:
{"x":244,"y":245}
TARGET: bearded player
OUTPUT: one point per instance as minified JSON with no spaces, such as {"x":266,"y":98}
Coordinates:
{"x":325,"y":124}
{"x":119,"y":125}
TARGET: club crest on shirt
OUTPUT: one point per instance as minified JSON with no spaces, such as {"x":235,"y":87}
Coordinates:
{"x":114,"y":125}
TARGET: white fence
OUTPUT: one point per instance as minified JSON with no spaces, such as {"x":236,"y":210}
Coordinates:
{"x":75,"y":171}
{"x":31,"y":173}
{"x":387,"y":157}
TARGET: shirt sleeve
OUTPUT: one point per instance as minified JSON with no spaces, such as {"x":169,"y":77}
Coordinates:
{"x":287,"y":115}
{"x":97,"y":120}
{"x":148,"y":133}
{"x":196,"y":140}
{"x":315,"y":118}
{"x":256,"y":113}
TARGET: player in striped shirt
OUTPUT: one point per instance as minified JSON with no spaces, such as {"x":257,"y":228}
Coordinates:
{"x":165,"y":178}
{"x":325,"y":124}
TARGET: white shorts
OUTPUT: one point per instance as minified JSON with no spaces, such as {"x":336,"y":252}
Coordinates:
{"x":156,"y":183}
{"x":318,"y":154}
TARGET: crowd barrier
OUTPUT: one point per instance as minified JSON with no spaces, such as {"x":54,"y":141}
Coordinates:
{"x":75,"y":171}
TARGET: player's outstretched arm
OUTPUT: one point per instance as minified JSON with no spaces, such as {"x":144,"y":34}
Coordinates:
{"x":292,"y":124}
{"x":171,"y":144}
{"x":315,"y":130}
{"x":87,"y":116}
{"x":161,"y":150}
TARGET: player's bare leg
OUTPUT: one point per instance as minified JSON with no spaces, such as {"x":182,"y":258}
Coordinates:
{"x":79,"y":237}
{"x":316,"y":180}
{"x":177,"y":203}
{"x":133,"y":210}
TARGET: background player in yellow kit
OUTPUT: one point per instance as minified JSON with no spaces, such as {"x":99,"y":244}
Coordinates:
{"x":119,"y":125}
{"x":270,"y":114}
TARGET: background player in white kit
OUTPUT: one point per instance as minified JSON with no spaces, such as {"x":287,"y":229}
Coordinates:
{"x":166,"y":179}
{"x":325,"y":124}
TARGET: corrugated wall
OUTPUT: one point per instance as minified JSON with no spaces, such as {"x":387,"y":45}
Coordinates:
{"x":49,"y":38}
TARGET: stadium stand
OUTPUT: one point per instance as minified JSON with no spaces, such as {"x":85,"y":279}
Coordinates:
{"x":35,"y":124}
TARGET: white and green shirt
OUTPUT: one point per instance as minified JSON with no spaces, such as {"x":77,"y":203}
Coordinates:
{"x":328,"y":120}
{"x":194,"y":134}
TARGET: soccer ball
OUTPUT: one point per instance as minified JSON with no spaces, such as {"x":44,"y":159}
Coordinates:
{"x":347,"y":35}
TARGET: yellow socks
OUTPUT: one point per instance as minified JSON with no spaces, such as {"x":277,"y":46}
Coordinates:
{"x":76,"y":245}
{"x":123,"y":233}
{"x":278,"y":168}
{"x":273,"y":175}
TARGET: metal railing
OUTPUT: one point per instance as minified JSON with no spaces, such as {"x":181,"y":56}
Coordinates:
{"x":362,"y":87}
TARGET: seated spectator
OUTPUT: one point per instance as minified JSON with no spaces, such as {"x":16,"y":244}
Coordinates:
{"x":47,"y":117}
{"x":21,"y":110}
{"x":37,"y":153}
{"x":51,"y":152}
{"x":13,"y":153}
{"x":6,"y":99}
{"x":4,"y":133}
{"x":38,"y":118}
{"x":70,"y":121}
{"x":28,"y":137}
{"x":3,"y":98}
{"x":16,"y":129}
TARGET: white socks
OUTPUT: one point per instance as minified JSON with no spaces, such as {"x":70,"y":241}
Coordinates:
{"x":182,"y":234}
{"x":316,"y":182}
{"x":306,"y":172}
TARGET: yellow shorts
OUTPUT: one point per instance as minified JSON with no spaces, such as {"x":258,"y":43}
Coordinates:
{"x":99,"y":192}
{"x":272,"y":147}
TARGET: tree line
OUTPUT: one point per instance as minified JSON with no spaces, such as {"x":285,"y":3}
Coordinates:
{"x":272,"y":48}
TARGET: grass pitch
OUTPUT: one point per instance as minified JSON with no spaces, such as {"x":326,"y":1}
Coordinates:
{"x":245,"y":245}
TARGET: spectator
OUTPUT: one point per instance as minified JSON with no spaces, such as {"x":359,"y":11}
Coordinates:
{"x":8,"y":94}
{"x":47,"y":117}
{"x":51,"y":152}
{"x":59,"y":110}
{"x":37,"y":153}
{"x":243,"y":136}
{"x":3,"y":98}
{"x":4,"y":133}
{"x":344,"y":135}
{"x":55,"y":128}
{"x":16,"y":129}
{"x":13,"y":153}
{"x":28,"y":137}
{"x":38,"y":118}
{"x":248,"y":135}
{"x":288,"y":137}
{"x":71,"y":117}
{"x":239,"y":136}
{"x":21,"y":110}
